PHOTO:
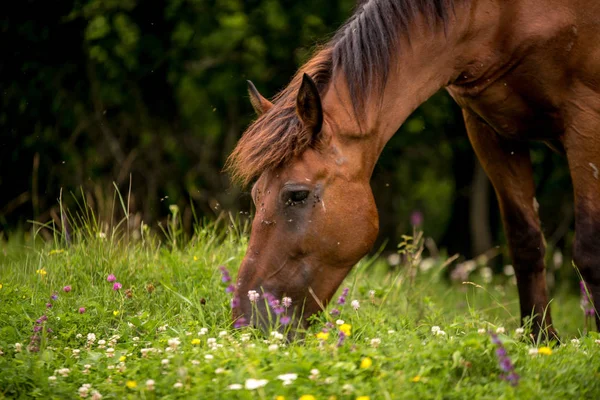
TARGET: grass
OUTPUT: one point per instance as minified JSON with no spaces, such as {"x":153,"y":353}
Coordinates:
{"x":173,"y":302}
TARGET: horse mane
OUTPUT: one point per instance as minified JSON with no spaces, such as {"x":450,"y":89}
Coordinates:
{"x":362,"y":50}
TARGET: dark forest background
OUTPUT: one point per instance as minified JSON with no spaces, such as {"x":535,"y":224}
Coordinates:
{"x":150,"y":97}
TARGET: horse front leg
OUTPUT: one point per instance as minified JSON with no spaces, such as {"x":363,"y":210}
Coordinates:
{"x":508,"y":165}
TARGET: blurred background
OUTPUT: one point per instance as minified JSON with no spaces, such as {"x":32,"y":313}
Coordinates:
{"x":150,"y":97}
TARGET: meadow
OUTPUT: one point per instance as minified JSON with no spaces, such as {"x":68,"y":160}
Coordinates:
{"x":112,"y":316}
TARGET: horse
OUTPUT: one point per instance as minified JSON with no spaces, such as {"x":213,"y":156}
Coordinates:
{"x":521,"y":71}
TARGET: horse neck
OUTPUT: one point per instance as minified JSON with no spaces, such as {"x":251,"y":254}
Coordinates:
{"x":431,"y":61}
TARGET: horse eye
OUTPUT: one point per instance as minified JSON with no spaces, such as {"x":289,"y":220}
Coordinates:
{"x":299,"y":195}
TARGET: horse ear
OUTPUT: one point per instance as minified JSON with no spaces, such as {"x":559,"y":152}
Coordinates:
{"x":308,"y":105}
{"x":259,"y":103}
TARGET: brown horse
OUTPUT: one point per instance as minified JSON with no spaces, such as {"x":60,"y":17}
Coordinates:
{"x":521,"y":70}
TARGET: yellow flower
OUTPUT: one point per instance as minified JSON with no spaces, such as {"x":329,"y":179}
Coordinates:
{"x":115,"y":313}
{"x":131,"y":384}
{"x":41,"y":271}
{"x":417,"y":378}
{"x":366,"y":363}
{"x":323,"y":335}
{"x":347,"y":329}
{"x":363,"y":398}
{"x":195,"y":341}
{"x":195,"y":258}
{"x":122,"y":358}
{"x":0,"y":286}
{"x":307,"y":397}
{"x":279,"y":398}
{"x":545,"y":351}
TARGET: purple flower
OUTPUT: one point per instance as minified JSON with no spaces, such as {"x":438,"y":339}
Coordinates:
{"x":504,"y":361}
{"x":229,"y":289}
{"x":590,"y":312}
{"x":111,"y":278}
{"x":224,"y":274}
{"x":67,"y":289}
{"x":240,"y":322}
{"x":54,"y":296}
{"x":117,"y":286}
{"x":501,"y":352}
{"x":329,"y":325}
{"x":341,"y":339}
{"x":235,"y":302}
{"x":335,"y":312}
{"x":342,"y":299}
{"x":49,"y":330}
{"x":48,"y":305}
{"x":81,"y":310}
{"x":416,"y":218}
{"x":44,"y":318}
{"x":37,"y":328}
{"x":270,"y":299}
{"x":287,"y":302}
{"x":285,"y":320}
{"x":505,"y":364}
{"x":278,"y":310}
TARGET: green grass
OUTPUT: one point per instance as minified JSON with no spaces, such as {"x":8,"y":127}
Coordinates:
{"x":175,"y":291}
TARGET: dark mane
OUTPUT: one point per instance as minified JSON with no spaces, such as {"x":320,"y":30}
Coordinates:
{"x":362,"y":50}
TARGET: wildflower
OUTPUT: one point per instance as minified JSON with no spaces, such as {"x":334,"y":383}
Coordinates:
{"x":229,"y":289}
{"x":209,"y":357}
{"x":240,"y":322}
{"x":220,"y":371}
{"x":252,"y":384}
{"x":416,"y":218}
{"x":54,"y":296}
{"x":51,"y":378}
{"x":340,"y":322}
{"x":111,"y":278}
{"x":287,"y":302}
{"x":150,"y":384}
{"x":84,"y":389}
{"x":115,"y":313}
{"x":533,"y":351}
{"x":273,"y":347}
{"x":222,"y":333}
{"x":504,"y":361}
{"x":435,"y":329}
{"x":342,"y":299}
{"x":314,"y":373}
{"x":96,"y":395}
{"x":117,"y":286}
{"x":415,"y":378}
{"x":195,"y":362}
{"x":287,"y":378}
{"x":234,"y":386}
{"x":575,"y":342}
{"x":276,"y":335}
{"x":279,"y":398}
{"x":545,"y":350}
{"x":235,"y":302}
{"x":355,"y":304}
{"x":42,"y":272}
{"x":131,"y":384}
{"x":203,"y":331}
{"x":323,"y":335}
{"x":519,"y":331}
{"x":481,"y":331}
{"x":173,"y":343}
{"x":195,"y":342}
{"x":211,"y":341}
{"x":224,"y":274}
{"x":335,"y":312}
{"x":372,"y":295}
{"x":178,"y":385}
{"x":81,"y":310}
{"x":347,"y":329}
{"x":48,"y":305}
{"x":307,"y":397}
{"x":363,"y":398}
{"x":253,"y":295}
{"x":366,"y":363}
{"x":164,"y":361}
{"x":341,"y":339}
{"x":67,"y":289}
{"x":64,"y":372}
{"x":500,"y":330}
{"x":122,"y":358}
{"x":110,"y":352}
{"x":285,"y":320}
{"x":76,"y":353}
{"x":375,"y":342}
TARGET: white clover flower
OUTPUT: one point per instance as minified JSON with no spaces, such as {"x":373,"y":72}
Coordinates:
{"x":110,"y":352}
{"x":252,"y":384}
{"x":173,"y":343}
{"x":355,"y":304}
{"x":253,"y":295}
{"x":220,"y":371}
{"x":78,"y":336}
{"x":481,"y":331}
{"x":245,"y":337}
{"x":164,"y":361}
{"x":211,"y":341}
{"x":314,"y":374}
{"x":372,"y":294}
{"x":277,"y":335}
{"x":375,"y":342}
{"x":64,"y":372}
{"x":533,"y":351}
{"x":162,"y":328}
{"x":575,"y":342}
{"x":110,"y":367}
{"x":519,"y":331}
{"x":101,"y":343}
{"x":76,"y":353}
{"x":52,"y":378}
{"x":339,"y":322}
{"x":83,"y":391}
{"x":195,"y":362}
{"x":597,"y":341}
{"x":150,"y":384}
{"x":500,"y":330}
{"x":96,"y":395}
{"x":441,"y":333}
{"x":222,"y":333}
{"x":235,"y":386}
{"x":273,"y":347}
{"x":178,"y":385}
{"x":203,"y":331}
{"x":136,"y":339}
{"x":209,"y":357}
{"x":391,"y":332}
{"x":91,"y":338}
{"x":287,"y":378}
{"x":18,"y":347}
{"x":435,"y":329}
